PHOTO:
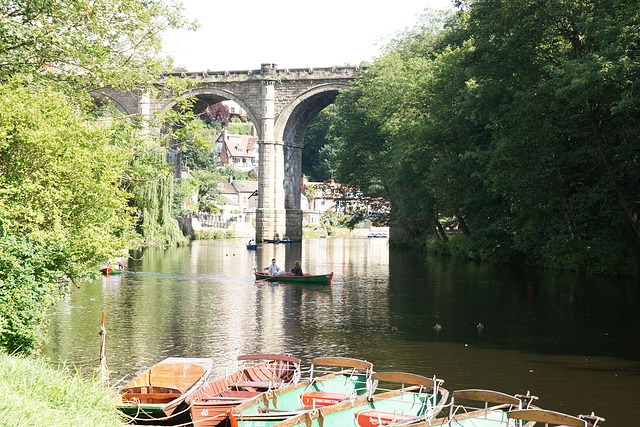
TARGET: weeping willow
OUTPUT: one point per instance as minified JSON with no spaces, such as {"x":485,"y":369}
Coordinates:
{"x":152,"y":190}
{"x":158,"y":227}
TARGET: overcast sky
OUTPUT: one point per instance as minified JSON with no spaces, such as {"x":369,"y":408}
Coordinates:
{"x":241,"y":35}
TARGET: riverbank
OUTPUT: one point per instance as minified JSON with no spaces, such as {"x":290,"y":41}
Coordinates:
{"x":313,"y":231}
{"x":32,"y":391}
{"x":598,"y":261}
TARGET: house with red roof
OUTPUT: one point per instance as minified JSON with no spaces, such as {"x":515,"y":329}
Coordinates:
{"x":239,"y":151}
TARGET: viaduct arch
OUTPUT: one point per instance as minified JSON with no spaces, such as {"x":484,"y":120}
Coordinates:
{"x":281,"y":103}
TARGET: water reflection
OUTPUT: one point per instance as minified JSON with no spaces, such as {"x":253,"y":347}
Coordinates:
{"x":565,"y":337}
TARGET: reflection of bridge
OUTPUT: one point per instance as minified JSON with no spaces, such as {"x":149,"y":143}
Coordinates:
{"x":281,"y":104}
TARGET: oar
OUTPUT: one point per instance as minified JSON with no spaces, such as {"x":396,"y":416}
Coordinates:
{"x":127,"y":267}
{"x":266,"y":278}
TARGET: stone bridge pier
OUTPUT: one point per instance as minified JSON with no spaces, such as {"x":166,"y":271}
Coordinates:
{"x":281,"y":103}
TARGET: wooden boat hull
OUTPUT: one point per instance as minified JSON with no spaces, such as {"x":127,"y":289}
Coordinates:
{"x":307,"y":279}
{"x":274,"y":406}
{"x":381,"y":409}
{"x":211,"y":404}
{"x":252,"y":247}
{"x":276,"y":241}
{"x":494,"y":411}
{"x":158,"y":392}
{"x":210,"y":412}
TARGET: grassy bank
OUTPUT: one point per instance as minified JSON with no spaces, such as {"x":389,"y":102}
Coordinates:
{"x":34,"y":393}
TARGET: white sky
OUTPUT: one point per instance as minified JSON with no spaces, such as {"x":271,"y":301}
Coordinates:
{"x":241,"y":35}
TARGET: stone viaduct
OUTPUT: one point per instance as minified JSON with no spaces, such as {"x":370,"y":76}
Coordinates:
{"x":281,"y":103}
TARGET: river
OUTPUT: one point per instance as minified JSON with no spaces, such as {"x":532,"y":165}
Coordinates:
{"x":572,"y":340}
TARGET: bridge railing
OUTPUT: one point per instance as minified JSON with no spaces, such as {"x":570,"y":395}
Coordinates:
{"x":285,"y":73}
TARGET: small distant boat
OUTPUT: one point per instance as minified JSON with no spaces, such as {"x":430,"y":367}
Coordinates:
{"x":317,"y":279}
{"x":112,"y":270}
{"x":419,"y":399}
{"x":160,"y":391}
{"x":277,"y":241}
{"x":378,"y":235}
{"x":210,"y":404}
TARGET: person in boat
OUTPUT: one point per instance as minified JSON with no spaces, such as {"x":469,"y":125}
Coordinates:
{"x":252,"y":242}
{"x":277,"y":238}
{"x":274,"y":270}
{"x":297,"y":269}
{"x":285,"y":239}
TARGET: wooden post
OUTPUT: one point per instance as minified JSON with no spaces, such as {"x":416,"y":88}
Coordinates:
{"x":104,"y":367}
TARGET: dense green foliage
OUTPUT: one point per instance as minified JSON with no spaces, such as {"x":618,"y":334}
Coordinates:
{"x":239,"y":128}
{"x":73,"y":185}
{"x":519,"y":119}
{"x":317,"y":151}
{"x":61,"y":206}
{"x":85,"y":43}
{"x":33,"y":394}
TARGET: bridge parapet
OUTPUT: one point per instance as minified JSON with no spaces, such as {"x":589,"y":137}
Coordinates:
{"x":336,"y":72}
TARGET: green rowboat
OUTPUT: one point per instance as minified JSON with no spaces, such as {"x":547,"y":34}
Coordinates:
{"x":274,"y":406}
{"x":493,"y":412}
{"x":112,"y":271}
{"x":419,"y":399}
{"x":307,"y":279}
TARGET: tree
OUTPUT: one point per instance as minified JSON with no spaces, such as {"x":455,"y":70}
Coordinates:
{"x":565,"y":127}
{"x":67,"y":178}
{"x":383,"y":122}
{"x":520,"y":120}
{"x":86,"y":43}
{"x":61,"y":207}
{"x":316,"y":151}
{"x":218,"y":113}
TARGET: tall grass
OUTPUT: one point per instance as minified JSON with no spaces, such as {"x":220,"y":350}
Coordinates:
{"x":34,"y":393}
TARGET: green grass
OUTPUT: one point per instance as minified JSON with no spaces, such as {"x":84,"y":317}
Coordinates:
{"x":34,"y":393}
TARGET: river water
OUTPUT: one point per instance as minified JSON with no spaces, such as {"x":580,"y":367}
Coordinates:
{"x":570,"y":339}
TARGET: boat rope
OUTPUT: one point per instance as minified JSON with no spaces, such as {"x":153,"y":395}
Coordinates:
{"x":151,"y":417}
{"x":194,"y":423}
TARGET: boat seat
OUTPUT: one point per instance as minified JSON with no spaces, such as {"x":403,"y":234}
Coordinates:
{"x":259,"y":384}
{"x":239,"y":394}
{"x":149,"y":394}
{"x":321,"y":398}
{"x":376,"y":418}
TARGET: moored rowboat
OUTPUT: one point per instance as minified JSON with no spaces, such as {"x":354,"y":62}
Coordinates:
{"x":318,"y":279}
{"x":494,"y":411}
{"x":159,"y":392}
{"x":419,"y":399}
{"x":353,"y":379}
{"x":210,"y":404}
